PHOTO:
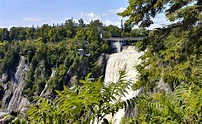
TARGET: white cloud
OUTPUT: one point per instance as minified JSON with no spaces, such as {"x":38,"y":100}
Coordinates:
{"x":109,"y":18}
{"x":87,"y":17}
{"x":121,"y":9}
{"x":117,"y":19}
{"x":29,"y":21}
{"x":159,"y":21}
{"x":32,"y":19}
{"x":109,"y":22}
{"x":7,"y":24}
{"x":155,"y":20}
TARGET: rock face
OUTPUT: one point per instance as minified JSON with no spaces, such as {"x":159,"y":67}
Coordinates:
{"x":3,"y":78}
{"x":102,"y":63}
{"x":72,"y":75}
{"x":13,"y":83}
{"x":161,"y":85}
{"x":13,"y":99}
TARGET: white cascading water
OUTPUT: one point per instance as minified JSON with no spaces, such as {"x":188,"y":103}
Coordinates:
{"x":46,"y":85}
{"x":118,"y":46}
{"x":18,"y":85}
{"x":125,"y":60}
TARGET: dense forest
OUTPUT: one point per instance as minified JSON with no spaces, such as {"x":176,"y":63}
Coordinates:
{"x":172,"y":54}
{"x":56,"y":48}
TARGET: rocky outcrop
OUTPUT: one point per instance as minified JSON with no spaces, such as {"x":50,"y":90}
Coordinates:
{"x":3,"y":78}
{"x":17,"y":99}
{"x":72,"y":75}
{"x":13,"y":84}
{"x":161,"y":85}
{"x":102,"y":63}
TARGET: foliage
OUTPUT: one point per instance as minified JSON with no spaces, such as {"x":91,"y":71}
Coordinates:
{"x":48,"y":47}
{"x":9,"y":56}
{"x":85,"y":103}
{"x":51,"y":47}
{"x":172,"y":53}
{"x":69,"y":29}
{"x":143,"y":11}
{"x":181,"y":106}
{"x":92,"y":100}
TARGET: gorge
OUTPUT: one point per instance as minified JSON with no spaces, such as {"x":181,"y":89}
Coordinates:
{"x":126,"y":60}
{"x":67,"y":73}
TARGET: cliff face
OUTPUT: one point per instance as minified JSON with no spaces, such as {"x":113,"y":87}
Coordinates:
{"x":12,"y":98}
{"x":16,"y":88}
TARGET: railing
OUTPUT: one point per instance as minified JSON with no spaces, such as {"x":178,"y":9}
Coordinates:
{"x":122,"y":39}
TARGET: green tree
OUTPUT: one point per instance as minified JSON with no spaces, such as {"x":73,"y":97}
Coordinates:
{"x":112,"y":30}
{"x":70,"y":27}
{"x":21,"y":34}
{"x":13,"y":33}
{"x":30,"y":33}
{"x":81,"y":23}
{"x":4,"y":34}
{"x":182,"y":106}
{"x":173,"y":52}
{"x":80,"y":35}
{"x":85,"y":103}
{"x":142,"y":11}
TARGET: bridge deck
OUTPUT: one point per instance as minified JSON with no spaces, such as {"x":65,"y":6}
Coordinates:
{"x":123,"y":39}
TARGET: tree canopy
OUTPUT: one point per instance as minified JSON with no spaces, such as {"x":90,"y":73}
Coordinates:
{"x":141,"y":12}
{"x":172,"y":53}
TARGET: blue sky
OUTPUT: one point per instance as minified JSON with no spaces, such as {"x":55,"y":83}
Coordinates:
{"x":38,"y":12}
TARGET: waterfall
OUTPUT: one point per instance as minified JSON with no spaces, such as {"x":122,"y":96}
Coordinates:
{"x":125,"y":60}
{"x":46,"y":86}
{"x":18,"y":85}
{"x":118,"y":46}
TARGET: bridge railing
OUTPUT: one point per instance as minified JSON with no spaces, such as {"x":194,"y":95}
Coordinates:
{"x":123,"y":39}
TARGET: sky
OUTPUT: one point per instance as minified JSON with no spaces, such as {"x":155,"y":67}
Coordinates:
{"x":37,"y":12}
